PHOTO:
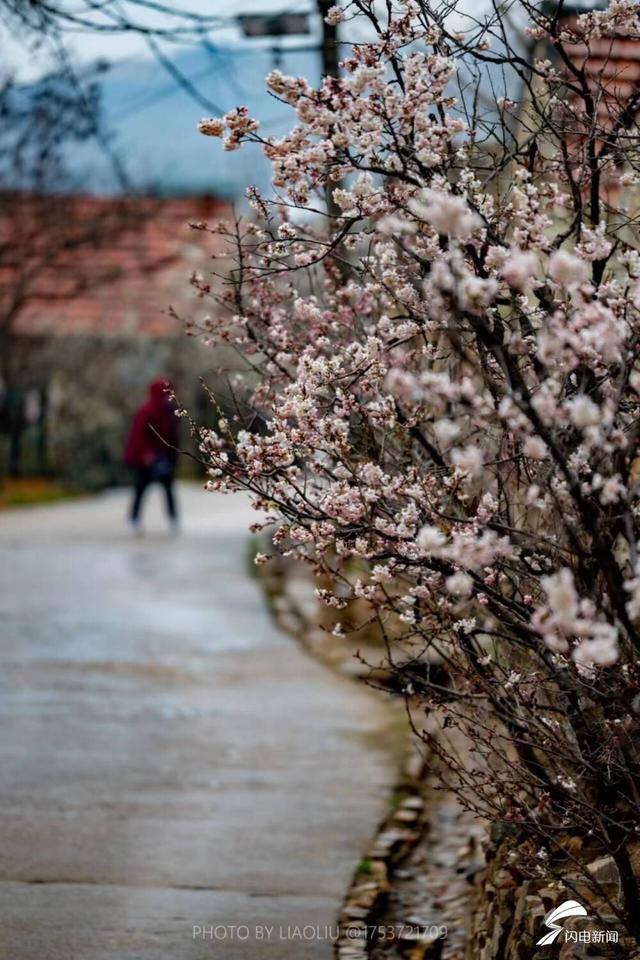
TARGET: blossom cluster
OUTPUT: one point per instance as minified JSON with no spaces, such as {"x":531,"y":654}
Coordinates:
{"x":447,"y":344}
{"x":454,"y":352}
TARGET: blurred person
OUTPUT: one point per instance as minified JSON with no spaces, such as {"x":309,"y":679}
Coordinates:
{"x":151,"y":449}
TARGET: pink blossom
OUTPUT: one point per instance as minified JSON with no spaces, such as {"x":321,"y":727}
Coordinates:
{"x":567,"y":269}
{"x":518,"y":269}
{"x":459,"y":584}
{"x":334,"y":16}
{"x":446,"y":213}
{"x":602,"y":650}
{"x":535,"y":448}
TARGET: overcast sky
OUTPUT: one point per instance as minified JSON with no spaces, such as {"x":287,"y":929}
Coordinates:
{"x":151,"y":120}
{"x":88,"y":46}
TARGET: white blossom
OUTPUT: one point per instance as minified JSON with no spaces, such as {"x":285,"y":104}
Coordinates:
{"x":567,"y":269}
{"x":459,"y":584}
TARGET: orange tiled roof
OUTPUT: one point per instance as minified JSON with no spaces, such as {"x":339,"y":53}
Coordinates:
{"x":612,"y":71}
{"x":88,"y":265}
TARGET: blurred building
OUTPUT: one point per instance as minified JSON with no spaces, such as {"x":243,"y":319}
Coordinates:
{"x":593,"y":100}
{"x":93,"y":294}
{"x":597,"y":117}
{"x":611,"y":66}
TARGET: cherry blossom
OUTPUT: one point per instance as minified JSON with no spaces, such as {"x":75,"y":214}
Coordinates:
{"x":438,"y":319}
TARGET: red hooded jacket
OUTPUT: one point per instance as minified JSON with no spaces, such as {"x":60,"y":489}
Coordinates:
{"x":154,"y":431}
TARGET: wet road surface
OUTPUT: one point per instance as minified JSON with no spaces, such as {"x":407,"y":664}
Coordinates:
{"x":167,"y":759}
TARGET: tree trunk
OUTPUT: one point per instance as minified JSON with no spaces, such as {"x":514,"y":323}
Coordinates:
{"x":630,"y":890}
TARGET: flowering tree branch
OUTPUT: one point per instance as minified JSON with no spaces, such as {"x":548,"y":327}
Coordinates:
{"x":446,"y":367}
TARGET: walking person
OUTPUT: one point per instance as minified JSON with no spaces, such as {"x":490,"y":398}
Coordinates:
{"x":151,"y":449}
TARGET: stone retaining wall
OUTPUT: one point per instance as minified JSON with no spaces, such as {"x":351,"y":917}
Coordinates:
{"x":509,"y":910}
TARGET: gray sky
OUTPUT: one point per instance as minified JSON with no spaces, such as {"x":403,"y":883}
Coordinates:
{"x":89,"y":46}
{"x":152,"y":120}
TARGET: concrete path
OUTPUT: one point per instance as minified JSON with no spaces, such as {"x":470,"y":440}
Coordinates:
{"x":167,"y":760}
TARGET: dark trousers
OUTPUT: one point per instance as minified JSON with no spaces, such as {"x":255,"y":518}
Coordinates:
{"x":144,"y":477}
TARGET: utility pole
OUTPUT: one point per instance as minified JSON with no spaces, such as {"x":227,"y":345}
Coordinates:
{"x":329,"y":59}
{"x":278,"y":25}
{"x":329,"y":43}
